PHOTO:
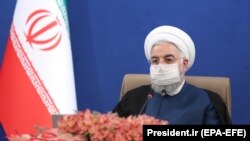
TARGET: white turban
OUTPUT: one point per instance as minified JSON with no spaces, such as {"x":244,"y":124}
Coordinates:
{"x":174,"y":35}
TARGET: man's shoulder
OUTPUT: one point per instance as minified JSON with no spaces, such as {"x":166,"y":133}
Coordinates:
{"x":139,"y":91}
{"x":201,"y":93}
{"x":204,"y":91}
{"x":141,"y":88}
{"x":195,"y":89}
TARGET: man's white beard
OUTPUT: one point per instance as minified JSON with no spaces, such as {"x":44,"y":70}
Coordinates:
{"x":169,"y":88}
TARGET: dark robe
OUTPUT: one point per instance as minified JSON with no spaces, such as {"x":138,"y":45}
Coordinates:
{"x":191,"y":105}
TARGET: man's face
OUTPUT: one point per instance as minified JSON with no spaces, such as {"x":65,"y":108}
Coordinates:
{"x":167,"y":53}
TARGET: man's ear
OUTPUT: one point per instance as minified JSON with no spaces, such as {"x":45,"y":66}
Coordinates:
{"x":185,"y":64}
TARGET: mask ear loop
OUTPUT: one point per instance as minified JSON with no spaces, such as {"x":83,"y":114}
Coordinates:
{"x":182,"y":73}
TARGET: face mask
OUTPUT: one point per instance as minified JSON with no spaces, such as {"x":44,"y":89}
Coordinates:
{"x":165,"y":74}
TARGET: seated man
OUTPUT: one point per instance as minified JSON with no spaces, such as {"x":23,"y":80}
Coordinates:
{"x":171,"y":52}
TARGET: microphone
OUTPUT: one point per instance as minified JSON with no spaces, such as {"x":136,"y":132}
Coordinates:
{"x":145,"y":104}
{"x":163,"y":92}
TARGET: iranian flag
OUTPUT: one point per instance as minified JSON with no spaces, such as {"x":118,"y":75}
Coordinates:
{"x":36,"y":78}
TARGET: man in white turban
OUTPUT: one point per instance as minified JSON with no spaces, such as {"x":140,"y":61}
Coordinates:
{"x":174,"y":45}
{"x":171,"y":52}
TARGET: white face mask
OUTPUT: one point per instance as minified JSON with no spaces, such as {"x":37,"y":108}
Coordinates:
{"x":165,"y":74}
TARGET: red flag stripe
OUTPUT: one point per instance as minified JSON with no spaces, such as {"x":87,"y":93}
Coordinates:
{"x":32,"y":73}
{"x":21,"y":107}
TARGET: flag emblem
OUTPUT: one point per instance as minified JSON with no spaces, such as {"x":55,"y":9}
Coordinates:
{"x":43,"y":30}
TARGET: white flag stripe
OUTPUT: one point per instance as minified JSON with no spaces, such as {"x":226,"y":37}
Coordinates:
{"x":45,"y":39}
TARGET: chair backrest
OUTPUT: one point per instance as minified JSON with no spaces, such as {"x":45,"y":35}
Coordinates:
{"x":219,"y":85}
